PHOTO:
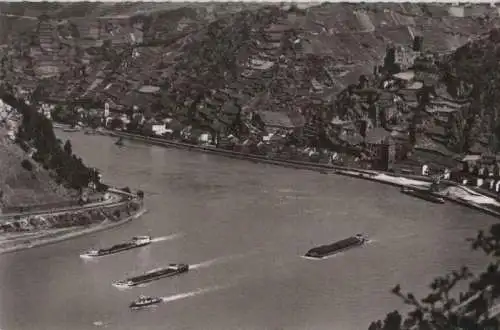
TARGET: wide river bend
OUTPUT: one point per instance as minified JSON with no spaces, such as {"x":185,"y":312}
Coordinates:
{"x":243,"y":226}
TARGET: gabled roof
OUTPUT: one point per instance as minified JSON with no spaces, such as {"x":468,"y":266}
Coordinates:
{"x":275,"y":118}
{"x":406,"y":75}
{"x":148,"y":89}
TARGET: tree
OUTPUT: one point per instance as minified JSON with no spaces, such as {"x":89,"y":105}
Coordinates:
{"x":140,"y":194}
{"x":67,"y":148}
{"x":115,"y":123}
{"x":26,"y":164}
{"x":440,"y":310}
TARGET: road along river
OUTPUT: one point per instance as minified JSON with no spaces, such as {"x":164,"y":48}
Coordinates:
{"x":243,"y":226}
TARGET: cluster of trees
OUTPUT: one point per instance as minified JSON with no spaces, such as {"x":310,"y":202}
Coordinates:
{"x":36,"y":131}
{"x":63,"y":115}
{"x":441,"y":310}
{"x":471,"y":73}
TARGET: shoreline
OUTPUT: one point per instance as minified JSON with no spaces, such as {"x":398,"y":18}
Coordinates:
{"x":68,"y":234}
{"x":381,"y":177}
{"x":370,"y":175}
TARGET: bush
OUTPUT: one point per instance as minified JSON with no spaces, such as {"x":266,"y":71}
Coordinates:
{"x":26,"y":164}
{"x":140,"y":194}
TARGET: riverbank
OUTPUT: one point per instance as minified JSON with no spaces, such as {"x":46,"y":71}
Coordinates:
{"x":13,"y":243}
{"x":464,"y":196}
{"x":471,"y":199}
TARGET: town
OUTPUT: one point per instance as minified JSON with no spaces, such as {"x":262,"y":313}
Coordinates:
{"x":249,"y":165}
{"x":399,"y":119}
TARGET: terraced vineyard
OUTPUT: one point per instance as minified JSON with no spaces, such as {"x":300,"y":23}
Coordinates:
{"x":208,"y":62}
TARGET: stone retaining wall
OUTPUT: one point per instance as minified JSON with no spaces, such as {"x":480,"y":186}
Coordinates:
{"x":71,"y":219}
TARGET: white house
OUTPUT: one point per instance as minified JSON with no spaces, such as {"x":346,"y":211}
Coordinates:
{"x":205,"y":138}
{"x":159,"y":129}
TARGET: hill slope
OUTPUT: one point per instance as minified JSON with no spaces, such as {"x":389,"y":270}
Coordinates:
{"x":472,"y":73}
{"x":21,"y":186}
{"x":210,"y":61}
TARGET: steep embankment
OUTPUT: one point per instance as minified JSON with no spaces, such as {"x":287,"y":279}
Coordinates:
{"x":472,"y":73}
{"x":22,"y":186}
{"x":33,"y":161}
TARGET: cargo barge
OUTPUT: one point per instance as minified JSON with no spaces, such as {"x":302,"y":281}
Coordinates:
{"x":152,"y":275}
{"x":331,"y":249}
{"x":135,"y":242}
{"x":423,"y":194}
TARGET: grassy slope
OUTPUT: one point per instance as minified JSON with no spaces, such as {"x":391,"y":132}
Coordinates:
{"x":21,"y":187}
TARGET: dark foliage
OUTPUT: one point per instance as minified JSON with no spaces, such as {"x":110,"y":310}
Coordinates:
{"x":441,"y":310}
{"x":471,"y":73}
{"x":115,"y":123}
{"x":37,"y":131}
{"x":26,"y":164}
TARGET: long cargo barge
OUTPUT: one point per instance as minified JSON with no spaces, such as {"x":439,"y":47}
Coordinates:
{"x":152,"y":275}
{"x":323,"y":251}
{"x":135,"y":242}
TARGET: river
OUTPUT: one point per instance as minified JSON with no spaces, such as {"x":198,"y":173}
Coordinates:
{"x":243,"y":226}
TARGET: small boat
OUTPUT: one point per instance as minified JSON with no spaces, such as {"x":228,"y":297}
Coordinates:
{"x":423,"y":194}
{"x":339,"y":246}
{"x":144,"y":301}
{"x":135,"y":242}
{"x":152,"y":275}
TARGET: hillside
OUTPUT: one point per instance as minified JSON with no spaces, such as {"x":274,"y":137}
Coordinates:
{"x":266,"y":57}
{"x":21,"y":186}
{"x":472,"y":73}
{"x":204,"y":65}
{"x":36,"y":168}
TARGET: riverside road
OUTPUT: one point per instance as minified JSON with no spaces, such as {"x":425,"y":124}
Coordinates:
{"x":243,"y":226}
{"x":113,"y":200}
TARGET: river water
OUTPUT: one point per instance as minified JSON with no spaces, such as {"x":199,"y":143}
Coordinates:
{"x":242,"y":226}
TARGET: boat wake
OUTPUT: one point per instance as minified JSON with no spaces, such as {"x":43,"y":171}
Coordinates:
{"x":87,"y":257}
{"x":121,"y":287}
{"x":193,"y":293}
{"x":392,"y":238}
{"x":166,"y":238}
{"x":336,"y":255}
{"x":219,"y":260}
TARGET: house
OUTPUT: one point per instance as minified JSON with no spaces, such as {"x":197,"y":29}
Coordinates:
{"x":443,"y":110}
{"x":275,"y":120}
{"x":157,"y":128}
{"x":205,"y":138}
{"x":409,"y":96}
{"x":404,"y":77}
{"x":343,"y":127}
{"x":404,"y":57}
{"x":380,"y":144}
